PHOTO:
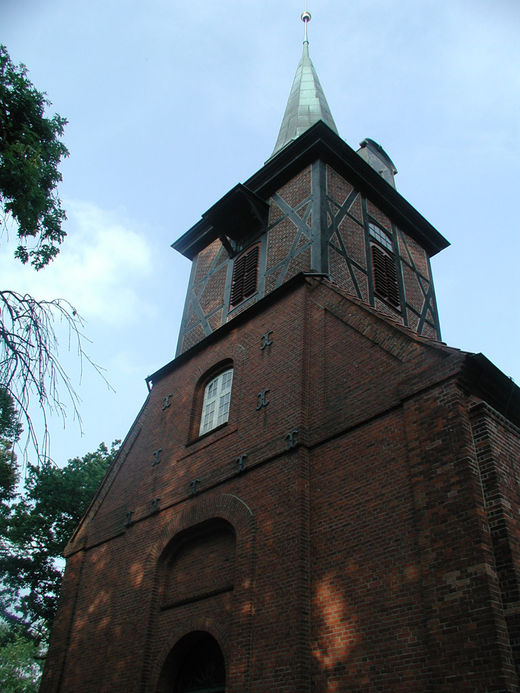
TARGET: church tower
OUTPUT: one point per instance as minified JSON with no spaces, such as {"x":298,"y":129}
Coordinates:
{"x":316,"y":207}
{"x":318,"y":495}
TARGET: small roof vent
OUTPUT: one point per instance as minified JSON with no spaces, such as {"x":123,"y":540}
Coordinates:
{"x":374,"y":154}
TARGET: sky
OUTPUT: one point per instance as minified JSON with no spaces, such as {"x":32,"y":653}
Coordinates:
{"x":170,"y":104}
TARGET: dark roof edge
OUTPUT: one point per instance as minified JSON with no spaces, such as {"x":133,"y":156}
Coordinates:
{"x":482,"y":378}
{"x":258,"y":307}
{"x":321,"y":142}
{"x":210,"y":227}
{"x":275,"y":295}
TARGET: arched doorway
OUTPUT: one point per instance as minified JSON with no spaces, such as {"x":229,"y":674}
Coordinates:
{"x":195,"y":665}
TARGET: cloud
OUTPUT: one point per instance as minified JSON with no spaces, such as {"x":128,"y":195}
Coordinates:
{"x":98,"y":269}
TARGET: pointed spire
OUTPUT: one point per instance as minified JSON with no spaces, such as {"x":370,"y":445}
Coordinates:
{"x":307,"y":103}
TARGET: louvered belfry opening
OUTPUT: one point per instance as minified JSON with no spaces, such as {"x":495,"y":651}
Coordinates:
{"x":245,"y":271}
{"x":385,"y":276}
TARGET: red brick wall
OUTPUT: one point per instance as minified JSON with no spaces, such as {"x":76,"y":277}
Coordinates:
{"x":368,"y":608}
{"x":468,"y":645}
{"x":197,"y":565}
{"x":362,"y":556}
{"x":497,"y":444}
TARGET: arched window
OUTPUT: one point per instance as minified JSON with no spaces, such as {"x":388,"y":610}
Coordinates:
{"x":197,"y":563}
{"x":384,"y":266}
{"x":215,"y":406}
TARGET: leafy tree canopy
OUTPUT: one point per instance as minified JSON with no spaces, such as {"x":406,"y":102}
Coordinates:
{"x":37,"y":530}
{"x":9,"y":426}
{"x":30,"y":152}
{"x":20,"y":662}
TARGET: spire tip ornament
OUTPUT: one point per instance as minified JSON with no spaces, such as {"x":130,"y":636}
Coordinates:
{"x":306,"y":18}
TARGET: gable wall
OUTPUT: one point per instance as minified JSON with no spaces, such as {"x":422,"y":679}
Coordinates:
{"x":362,"y":559}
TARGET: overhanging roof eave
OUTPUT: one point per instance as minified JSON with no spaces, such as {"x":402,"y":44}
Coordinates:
{"x":320,"y":142}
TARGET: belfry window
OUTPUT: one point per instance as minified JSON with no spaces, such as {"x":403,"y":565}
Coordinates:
{"x":244,"y":280}
{"x":384,"y":266}
{"x":215,"y":406}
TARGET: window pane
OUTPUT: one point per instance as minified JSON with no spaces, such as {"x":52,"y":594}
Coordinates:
{"x":208,"y":415}
{"x":381,"y":236}
{"x":212,"y":388}
{"x":226,"y":380}
{"x":217,"y":397}
{"x":223,"y":408}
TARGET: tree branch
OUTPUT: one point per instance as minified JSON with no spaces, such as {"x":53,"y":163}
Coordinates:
{"x":30,"y":367}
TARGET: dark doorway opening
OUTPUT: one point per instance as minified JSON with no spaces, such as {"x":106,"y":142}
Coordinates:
{"x":195,"y":665}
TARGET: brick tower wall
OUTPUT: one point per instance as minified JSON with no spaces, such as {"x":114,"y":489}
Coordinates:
{"x":497,"y":443}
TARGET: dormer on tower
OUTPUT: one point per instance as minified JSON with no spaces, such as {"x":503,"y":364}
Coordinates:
{"x":318,"y":207}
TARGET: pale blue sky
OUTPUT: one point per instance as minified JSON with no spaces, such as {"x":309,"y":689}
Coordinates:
{"x":170,"y":104}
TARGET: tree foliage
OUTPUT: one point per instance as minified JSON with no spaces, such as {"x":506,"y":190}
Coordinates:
{"x":20,"y":662}
{"x":35,"y":525}
{"x":9,"y":426}
{"x":36,"y":532}
{"x":30,"y":153}
{"x":9,"y":433}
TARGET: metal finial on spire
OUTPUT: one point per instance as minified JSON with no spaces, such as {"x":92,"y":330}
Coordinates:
{"x":306,"y":18}
{"x":307,"y":103}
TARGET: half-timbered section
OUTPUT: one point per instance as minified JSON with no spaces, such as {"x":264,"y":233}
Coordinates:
{"x":335,"y":218}
{"x":376,"y":261}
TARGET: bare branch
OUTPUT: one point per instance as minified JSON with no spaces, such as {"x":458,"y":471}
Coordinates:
{"x":29,"y":359}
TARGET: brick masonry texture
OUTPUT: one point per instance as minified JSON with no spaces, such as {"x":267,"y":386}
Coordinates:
{"x":379,"y":552}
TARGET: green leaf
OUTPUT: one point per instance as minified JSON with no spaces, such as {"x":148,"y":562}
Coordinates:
{"x":30,"y":153}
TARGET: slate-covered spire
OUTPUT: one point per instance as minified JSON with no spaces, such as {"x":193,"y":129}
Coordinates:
{"x":307,"y":103}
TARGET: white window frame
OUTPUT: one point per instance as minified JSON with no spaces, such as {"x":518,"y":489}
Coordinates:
{"x":217,"y":398}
